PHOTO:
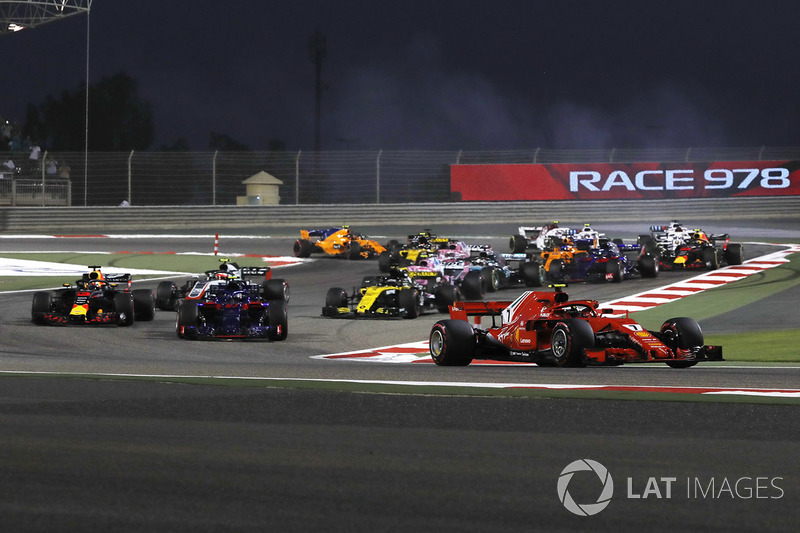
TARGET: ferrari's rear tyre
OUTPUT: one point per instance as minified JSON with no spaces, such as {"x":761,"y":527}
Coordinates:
{"x":531,"y":274}
{"x":278,"y":320}
{"x":518,"y":243}
{"x":472,"y":286}
{"x":452,"y":343}
{"x":186,"y":325}
{"x":144,"y":307}
{"x":407,"y":299}
{"x":42,"y":302}
{"x":123,"y":307}
{"x":274,"y":289}
{"x":615,"y":269}
{"x":303,"y":248}
{"x":446,"y":295}
{"x":734,"y":254}
{"x":569,"y":341}
{"x":165,"y":295}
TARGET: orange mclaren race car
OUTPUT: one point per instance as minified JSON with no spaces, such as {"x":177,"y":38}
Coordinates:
{"x":336,"y":241}
{"x":548,"y":329}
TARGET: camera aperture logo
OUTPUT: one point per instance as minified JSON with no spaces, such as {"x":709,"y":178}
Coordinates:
{"x":585,"y":509}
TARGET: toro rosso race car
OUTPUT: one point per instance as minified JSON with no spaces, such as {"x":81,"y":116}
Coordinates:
{"x":398,"y":294}
{"x":548,"y":329}
{"x":96,"y":298}
{"x":680,"y":248}
{"x":234,"y":309}
{"x":338,"y":242}
{"x":169,"y":295}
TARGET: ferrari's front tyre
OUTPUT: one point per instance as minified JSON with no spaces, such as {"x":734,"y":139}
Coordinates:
{"x":124,"y":308}
{"x":452,"y":343}
{"x":681,"y":333}
{"x":569,"y":341}
{"x":303,"y":248}
{"x":42,"y":303}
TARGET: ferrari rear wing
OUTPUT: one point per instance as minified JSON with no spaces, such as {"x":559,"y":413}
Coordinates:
{"x":464,"y":310}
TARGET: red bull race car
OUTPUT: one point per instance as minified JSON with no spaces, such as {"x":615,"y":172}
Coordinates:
{"x":549,"y":329}
{"x":680,"y":248}
{"x":97,"y":299}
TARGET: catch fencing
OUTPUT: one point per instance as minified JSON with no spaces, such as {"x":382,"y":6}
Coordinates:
{"x":340,"y":177}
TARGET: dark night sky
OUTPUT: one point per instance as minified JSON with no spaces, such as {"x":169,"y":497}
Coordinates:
{"x":435,"y":74}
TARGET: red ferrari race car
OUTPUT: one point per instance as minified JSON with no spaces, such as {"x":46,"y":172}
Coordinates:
{"x":548,"y":329}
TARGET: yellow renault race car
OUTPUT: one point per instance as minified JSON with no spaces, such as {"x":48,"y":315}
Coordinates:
{"x":338,"y":242}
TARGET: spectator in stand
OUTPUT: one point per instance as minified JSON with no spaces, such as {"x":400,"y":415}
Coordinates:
{"x":63,"y":171}
{"x":34,"y":158}
{"x":52,"y":167}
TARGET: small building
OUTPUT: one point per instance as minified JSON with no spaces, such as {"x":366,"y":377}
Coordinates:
{"x":262,"y":189}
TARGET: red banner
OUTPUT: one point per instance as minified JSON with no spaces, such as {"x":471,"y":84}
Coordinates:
{"x":599,"y":181}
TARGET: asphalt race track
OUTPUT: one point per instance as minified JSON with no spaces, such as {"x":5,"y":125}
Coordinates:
{"x":90,"y":454}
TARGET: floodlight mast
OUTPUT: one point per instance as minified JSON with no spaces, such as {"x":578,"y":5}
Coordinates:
{"x":16,"y":15}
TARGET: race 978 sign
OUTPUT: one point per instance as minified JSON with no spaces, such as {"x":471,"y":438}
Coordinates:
{"x":620,"y":180}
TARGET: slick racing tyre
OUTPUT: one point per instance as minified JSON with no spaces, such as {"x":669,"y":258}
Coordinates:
{"x":278,"y":320}
{"x":123,"y":307}
{"x":165,"y":295}
{"x":186,"y":324}
{"x":42,"y":302}
{"x":569,"y":341}
{"x":681,"y":333}
{"x":452,"y":343}
{"x":491,"y":278}
{"x":445,"y":296}
{"x":518,"y":243}
{"x":615,"y":270}
{"x":144,"y":307}
{"x":472,"y":286}
{"x":531,"y":274}
{"x":303,"y":248}
{"x":336,"y":297}
{"x":649,"y":266}
{"x":274,"y":289}
{"x":710,"y":258}
{"x":734,"y":254}
{"x":408,"y":299}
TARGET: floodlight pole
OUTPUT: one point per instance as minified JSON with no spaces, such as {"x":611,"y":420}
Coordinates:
{"x":86,"y":122}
